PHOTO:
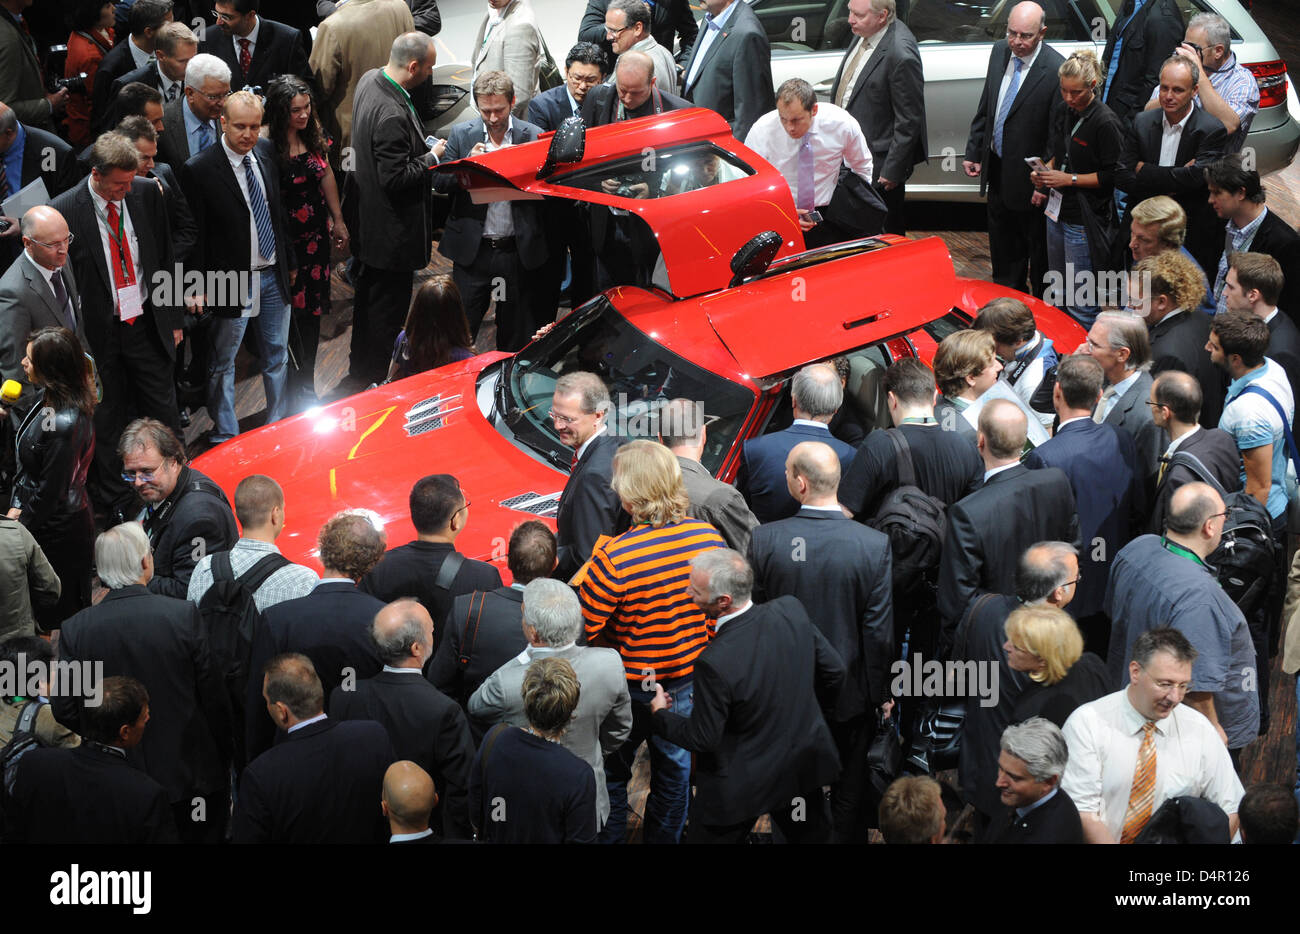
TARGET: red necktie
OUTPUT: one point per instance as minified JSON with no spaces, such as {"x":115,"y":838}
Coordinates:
{"x":573,"y":464}
{"x":245,"y":57}
{"x":119,"y":252}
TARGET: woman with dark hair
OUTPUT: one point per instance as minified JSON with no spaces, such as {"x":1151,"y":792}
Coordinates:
{"x":436,"y":332}
{"x":89,"y":42}
{"x":55,"y":444}
{"x":311,"y":200}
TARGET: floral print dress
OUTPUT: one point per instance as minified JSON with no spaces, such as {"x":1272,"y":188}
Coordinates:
{"x":304,"y":202}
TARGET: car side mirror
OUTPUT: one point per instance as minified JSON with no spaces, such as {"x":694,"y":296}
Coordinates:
{"x":567,"y":146}
{"x":754,"y":257}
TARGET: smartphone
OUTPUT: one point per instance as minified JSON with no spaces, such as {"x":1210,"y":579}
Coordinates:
{"x":814,"y":216}
{"x":1035,"y":163}
{"x":431,"y":141}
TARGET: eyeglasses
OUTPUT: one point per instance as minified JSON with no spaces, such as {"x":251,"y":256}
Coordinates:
{"x":462,"y":508}
{"x":143,"y":476}
{"x":1224,"y":514}
{"x":1157,"y":405}
{"x":562,"y":419}
{"x":1022,"y":36}
{"x":225,"y":17}
{"x":1075,"y":581}
{"x":588,"y":80}
{"x":66,"y":242}
{"x":212,"y":98}
{"x":1182,"y":687}
{"x":613,"y":33}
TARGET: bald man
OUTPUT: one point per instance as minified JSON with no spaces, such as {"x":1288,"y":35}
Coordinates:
{"x":425,"y":725}
{"x":1013,"y":509}
{"x":840,"y":571}
{"x":407,"y":799}
{"x":632,"y":91}
{"x":36,"y":292}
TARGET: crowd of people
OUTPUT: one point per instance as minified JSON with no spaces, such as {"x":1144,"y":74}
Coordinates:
{"x":1102,"y":532}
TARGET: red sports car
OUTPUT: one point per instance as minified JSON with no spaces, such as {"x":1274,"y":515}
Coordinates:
{"x":734,"y":307}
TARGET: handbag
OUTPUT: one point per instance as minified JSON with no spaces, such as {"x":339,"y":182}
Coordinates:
{"x":885,"y":754}
{"x":548,"y":72}
{"x":856,"y":208}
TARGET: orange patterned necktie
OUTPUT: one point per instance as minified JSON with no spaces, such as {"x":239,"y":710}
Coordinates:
{"x":1143,"y":793}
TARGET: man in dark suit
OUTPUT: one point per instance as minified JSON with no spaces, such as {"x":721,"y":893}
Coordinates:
{"x":730,"y":68}
{"x":193,"y":123}
{"x":1253,"y":285}
{"x":682,"y":431}
{"x":493,"y":246}
{"x":91,"y":793}
{"x":408,"y":802}
{"x":588,"y":506}
{"x":1011,"y":124}
{"x":132,"y":326}
{"x":757,"y":750}
{"x":634,"y":93}
{"x":430,"y":569}
{"x":144,"y":21}
{"x":256,"y":49}
{"x":585,"y":67}
{"x":233,"y":189}
{"x":815,"y":394}
{"x":1166,"y":290}
{"x":389,"y":201}
{"x":185,"y":232}
{"x":323,"y":781}
{"x":22,"y":82}
{"x":670,"y":21}
{"x":1120,"y":343}
{"x":1175,"y":406}
{"x":1238,"y":197}
{"x":25,"y":153}
{"x":424,"y":724}
{"x":1160,"y":159}
{"x":881,"y":83}
{"x":331,"y":625}
{"x":36,"y":292}
{"x":989,"y":530}
{"x":840,"y":572}
{"x":1030,"y":767}
{"x":1136,"y":47}
{"x":483,"y":630}
{"x":1101,"y":464}
{"x":174,"y":46}
{"x":160,"y":641}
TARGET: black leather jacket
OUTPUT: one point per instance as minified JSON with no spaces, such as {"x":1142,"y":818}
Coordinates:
{"x":54,"y":453}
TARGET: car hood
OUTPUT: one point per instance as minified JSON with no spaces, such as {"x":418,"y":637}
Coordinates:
{"x":365,"y":452}
{"x":698,"y":231}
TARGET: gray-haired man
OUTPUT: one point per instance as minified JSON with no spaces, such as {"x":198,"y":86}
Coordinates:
{"x":1030,"y":766}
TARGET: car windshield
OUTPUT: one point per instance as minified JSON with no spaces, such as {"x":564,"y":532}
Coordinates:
{"x":660,"y":174}
{"x":641,"y":376}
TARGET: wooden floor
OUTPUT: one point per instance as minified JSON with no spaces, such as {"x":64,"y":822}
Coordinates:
{"x":962,"y":227}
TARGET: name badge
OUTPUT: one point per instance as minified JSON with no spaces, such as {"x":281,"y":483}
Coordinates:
{"x":1053,"y":209}
{"x":130,"y":304}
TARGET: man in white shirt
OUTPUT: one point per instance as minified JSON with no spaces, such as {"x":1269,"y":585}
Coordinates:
{"x":807,"y":142}
{"x":1133,"y":750}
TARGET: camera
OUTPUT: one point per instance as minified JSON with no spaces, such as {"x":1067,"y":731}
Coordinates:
{"x":75,"y":84}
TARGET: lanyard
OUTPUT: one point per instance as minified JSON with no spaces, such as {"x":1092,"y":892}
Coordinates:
{"x":119,"y":240}
{"x":1016,"y":369}
{"x":1177,"y":549}
{"x":659,"y":105}
{"x":401,"y":90}
{"x":1065,"y":160}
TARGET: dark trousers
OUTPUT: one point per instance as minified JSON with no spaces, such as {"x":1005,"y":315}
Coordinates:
{"x":893,"y":199}
{"x":1017,"y":243}
{"x":807,"y":821}
{"x":302,"y":369}
{"x":378,"y":311}
{"x":214,"y":811}
{"x":1265,"y":620}
{"x":136,"y":371}
{"x":850,"y":796}
{"x":494,"y":277}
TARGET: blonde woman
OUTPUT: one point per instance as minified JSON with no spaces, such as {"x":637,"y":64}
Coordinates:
{"x":1045,"y":643}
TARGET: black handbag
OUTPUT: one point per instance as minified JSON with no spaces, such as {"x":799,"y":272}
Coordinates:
{"x":885,"y":755}
{"x":856,"y":208}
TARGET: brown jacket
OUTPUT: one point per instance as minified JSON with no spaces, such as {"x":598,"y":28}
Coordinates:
{"x":24,"y":572}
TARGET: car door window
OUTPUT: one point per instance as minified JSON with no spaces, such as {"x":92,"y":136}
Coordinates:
{"x":660,"y":174}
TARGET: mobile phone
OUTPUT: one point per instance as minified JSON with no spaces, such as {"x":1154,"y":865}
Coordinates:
{"x":4,"y":225}
{"x":814,"y":216}
{"x":1035,"y":163}
{"x":431,"y":141}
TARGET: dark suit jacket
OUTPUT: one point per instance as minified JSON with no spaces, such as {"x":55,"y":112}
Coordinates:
{"x":117,"y":62}
{"x":1101,"y":463}
{"x":463,"y":233}
{"x":549,"y":109}
{"x":717,"y":503}
{"x":424,"y":726}
{"x":889,"y":102}
{"x":322,"y":784}
{"x":27,"y":304}
{"x":410,"y":570}
{"x":86,"y":795}
{"x":1134,"y":415}
{"x":499,"y":637}
{"x":37,"y":147}
{"x":148,"y":210}
{"x":1284,"y":347}
{"x":1149,"y":38}
{"x":107,"y":119}
{"x":1057,"y":821}
{"x":160,"y":641}
{"x":388,"y":195}
{"x":1025,"y":132}
{"x":1276,"y":237}
{"x":278,"y":51}
{"x":757,"y":748}
{"x":735,"y":77}
{"x":1214,"y":448}
{"x":841,"y":572}
{"x":588,"y":508}
{"x":761,"y":479}
{"x":600,"y":107}
{"x":185,"y":232}
{"x":1178,"y":343}
{"x":1202,"y":141}
{"x":197,"y":514}
{"x":331,"y":626}
{"x":989,"y":530}
{"x":222,"y":216}
{"x":669,"y":20}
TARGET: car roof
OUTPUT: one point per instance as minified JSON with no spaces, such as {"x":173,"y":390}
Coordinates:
{"x":697,"y":231}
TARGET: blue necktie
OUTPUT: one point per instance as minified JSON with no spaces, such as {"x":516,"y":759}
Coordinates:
{"x":205,"y":137}
{"x":1006,"y":108}
{"x":261,"y":215}
{"x":806,"y":196}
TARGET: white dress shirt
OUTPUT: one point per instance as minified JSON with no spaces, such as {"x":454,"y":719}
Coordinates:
{"x":723,"y":620}
{"x":138,"y":55}
{"x":48,"y":275}
{"x":166,"y":85}
{"x":836,"y":137}
{"x":1104,"y":737}
{"x":1170,"y":136}
{"x":252,"y":41}
{"x":302,"y":723}
{"x":708,"y":35}
{"x":1173,"y":445}
{"x":1121,"y":387}
{"x":499,"y":222}
{"x":998,"y":470}
{"x":1006,"y":76}
{"x":868,"y":45}
{"x":256,"y":261}
{"x":101,"y":220}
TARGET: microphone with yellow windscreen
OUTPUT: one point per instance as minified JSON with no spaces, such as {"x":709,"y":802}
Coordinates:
{"x":10,"y":392}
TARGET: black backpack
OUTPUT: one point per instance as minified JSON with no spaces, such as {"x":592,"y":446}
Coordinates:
{"x":23,"y":741}
{"x":913,"y":520}
{"x":231,"y":620}
{"x":1244,"y":558}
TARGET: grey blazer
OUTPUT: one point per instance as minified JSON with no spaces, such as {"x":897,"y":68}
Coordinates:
{"x":1133,"y":414}
{"x":601,"y":723}
{"x":26,"y":305}
{"x":719,"y":504}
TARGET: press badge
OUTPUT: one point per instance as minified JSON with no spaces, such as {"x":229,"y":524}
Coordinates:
{"x":130,"y":305}
{"x":1053,"y":209}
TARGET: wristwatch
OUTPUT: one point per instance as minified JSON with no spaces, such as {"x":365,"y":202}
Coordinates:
{"x":1074,"y":181}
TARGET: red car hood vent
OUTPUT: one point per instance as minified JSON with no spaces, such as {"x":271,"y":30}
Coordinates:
{"x":430,"y":414}
{"x":545,"y":505}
